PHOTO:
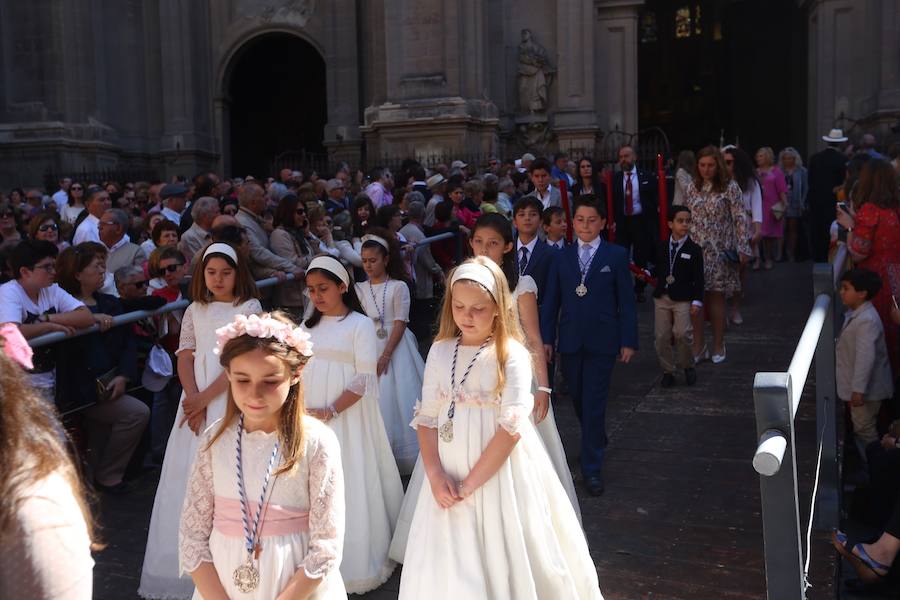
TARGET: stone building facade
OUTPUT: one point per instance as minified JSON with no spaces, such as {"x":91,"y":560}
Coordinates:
{"x":148,"y":83}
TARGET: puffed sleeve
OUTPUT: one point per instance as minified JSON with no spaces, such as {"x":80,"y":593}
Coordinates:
{"x":251,"y":307}
{"x":400,"y":299}
{"x":364,"y":357}
{"x":326,"y":507}
{"x":197,"y":513}
{"x":526,"y":285}
{"x":426,"y":410}
{"x":864,"y":225}
{"x":516,"y":401}
{"x":186,"y":340}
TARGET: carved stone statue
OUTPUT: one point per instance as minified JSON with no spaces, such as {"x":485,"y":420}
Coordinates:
{"x":534,"y":74}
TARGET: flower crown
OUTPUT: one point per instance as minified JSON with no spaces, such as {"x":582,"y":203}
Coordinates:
{"x":264,"y":326}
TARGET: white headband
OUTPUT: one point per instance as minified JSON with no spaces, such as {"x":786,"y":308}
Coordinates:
{"x":378,"y":240}
{"x":472,"y":271}
{"x":220,"y":248}
{"x":332,"y":265}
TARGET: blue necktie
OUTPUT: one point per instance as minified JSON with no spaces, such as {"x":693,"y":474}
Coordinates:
{"x":523,"y":260}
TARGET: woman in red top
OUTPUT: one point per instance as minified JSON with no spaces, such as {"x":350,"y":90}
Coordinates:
{"x":874,"y":240}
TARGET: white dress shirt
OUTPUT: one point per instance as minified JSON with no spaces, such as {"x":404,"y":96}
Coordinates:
{"x":88,"y":231}
{"x":530,"y":246}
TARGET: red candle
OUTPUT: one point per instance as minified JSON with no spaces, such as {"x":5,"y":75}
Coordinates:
{"x":564,"y":196}
{"x":610,"y":213}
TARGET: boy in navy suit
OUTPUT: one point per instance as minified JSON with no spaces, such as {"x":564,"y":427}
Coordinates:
{"x":590,"y":289}
{"x":678,"y":295}
{"x":532,"y":254}
{"x":553,"y":222}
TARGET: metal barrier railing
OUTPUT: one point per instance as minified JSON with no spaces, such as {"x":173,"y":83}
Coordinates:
{"x":134,"y":316}
{"x":776,"y":397}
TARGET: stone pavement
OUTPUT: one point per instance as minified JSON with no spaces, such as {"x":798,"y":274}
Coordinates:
{"x":680,"y":517}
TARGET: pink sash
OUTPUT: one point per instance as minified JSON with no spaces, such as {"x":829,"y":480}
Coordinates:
{"x":276,"y":519}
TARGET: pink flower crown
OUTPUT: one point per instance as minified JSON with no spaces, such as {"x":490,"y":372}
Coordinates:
{"x":264,"y":327}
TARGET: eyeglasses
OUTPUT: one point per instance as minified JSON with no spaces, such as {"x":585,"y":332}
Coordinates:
{"x":172,"y":268}
{"x":48,"y":267}
{"x":49,"y":227}
{"x":139,"y":284}
{"x":107,"y":223}
{"x":76,"y":188}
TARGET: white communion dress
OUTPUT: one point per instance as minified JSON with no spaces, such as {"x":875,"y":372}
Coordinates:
{"x":547,"y":428}
{"x":160,"y":574}
{"x":517,"y":535}
{"x":302,"y":526}
{"x":344,"y":359}
{"x":549,"y":436}
{"x":399,"y":386}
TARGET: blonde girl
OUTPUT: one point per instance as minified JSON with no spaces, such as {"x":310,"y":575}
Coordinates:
{"x":264,"y":514}
{"x":485,"y":463}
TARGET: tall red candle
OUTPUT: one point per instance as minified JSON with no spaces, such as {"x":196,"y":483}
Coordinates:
{"x":610,"y":213}
{"x":663,"y":198}
{"x":564,"y":196}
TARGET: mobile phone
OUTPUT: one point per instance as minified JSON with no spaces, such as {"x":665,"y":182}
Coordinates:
{"x":843,"y":206}
{"x":894,"y":300}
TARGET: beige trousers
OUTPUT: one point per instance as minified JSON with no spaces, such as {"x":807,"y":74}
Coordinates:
{"x":673,"y":319}
{"x":115,"y":430}
{"x":865,"y":421}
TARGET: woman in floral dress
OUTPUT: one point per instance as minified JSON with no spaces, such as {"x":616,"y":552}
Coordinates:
{"x":719,"y":225}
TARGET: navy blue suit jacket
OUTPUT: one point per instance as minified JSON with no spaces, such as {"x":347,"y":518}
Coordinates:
{"x":539,"y":265}
{"x":601,"y":322}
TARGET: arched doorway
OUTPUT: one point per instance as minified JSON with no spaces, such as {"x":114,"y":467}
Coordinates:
{"x":276,"y":87}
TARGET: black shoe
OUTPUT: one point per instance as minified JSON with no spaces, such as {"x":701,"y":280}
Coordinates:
{"x":594,"y":485}
{"x":690,"y":376}
{"x":120,"y":489}
{"x":668,"y":380}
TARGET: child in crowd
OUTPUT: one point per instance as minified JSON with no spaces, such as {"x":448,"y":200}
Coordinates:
{"x":861,"y":363}
{"x":342,"y":389}
{"x":222,"y":287}
{"x":678,"y":295}
{"x":533,"y":257}
{"x":494,"y":521}
{"x":553,"y":223}
{"x":385,"y":299}
{"x":464,"y":215}
{"x":590,"y":294}
{"x":289,"y":545}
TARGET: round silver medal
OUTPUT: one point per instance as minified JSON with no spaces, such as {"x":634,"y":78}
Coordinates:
{"x":381,"y":333}
{"x":246,"y":577}
{"x":670,"y":279}
{"x":581,"y":290}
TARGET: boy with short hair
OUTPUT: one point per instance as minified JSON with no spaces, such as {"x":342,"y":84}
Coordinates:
{"x":553,"y":222}
{"x":539,"y":173}
{"x":590,"y":290}
{"x":532,"y":255}
{"x":861,"y":361}
{"x":678,"y":295}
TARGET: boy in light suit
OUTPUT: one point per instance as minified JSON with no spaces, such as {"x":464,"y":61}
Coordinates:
{"x":590,"y":289}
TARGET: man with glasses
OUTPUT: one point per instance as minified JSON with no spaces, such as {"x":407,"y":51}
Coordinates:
{"x":337,"y":200}
{"x":114,"y":235}
{"x":203,"y":212}
{"x":37,"y":305}
{"x":96,"y":203}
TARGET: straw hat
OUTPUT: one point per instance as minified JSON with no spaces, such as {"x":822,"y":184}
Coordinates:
{"x":835,"y":136}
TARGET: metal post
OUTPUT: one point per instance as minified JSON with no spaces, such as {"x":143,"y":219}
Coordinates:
{"x":827,"y":513}
{"x":778,"y":493}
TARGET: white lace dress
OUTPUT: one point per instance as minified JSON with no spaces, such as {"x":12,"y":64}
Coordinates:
{"x":302,"y":526}
{"x":344,"y":359}
{"x":400,"y":385}
{"x":160,"y":575}
{"x":517,"y":535}
{"x":549,"y":436}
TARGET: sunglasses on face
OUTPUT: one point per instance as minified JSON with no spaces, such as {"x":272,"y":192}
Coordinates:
{"x":139,"y":284}
{"x":172,"y":268}
{"x":49,"y":227}
{"x":77,"y":188}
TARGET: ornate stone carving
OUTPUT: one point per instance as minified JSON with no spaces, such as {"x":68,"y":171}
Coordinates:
{"x":535,"y":74}
{"x":295,"y":12}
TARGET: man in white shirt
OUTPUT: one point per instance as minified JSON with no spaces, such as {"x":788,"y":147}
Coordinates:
{"x":437,"y":183}
{"x":96,"y":203}
{"x":540,"y":178}
{"x":61,"y":197}
{"x":37,"y":305}
{"x":122,"y":251}
{"x":636,"y":212}
{"x":174,"y":198}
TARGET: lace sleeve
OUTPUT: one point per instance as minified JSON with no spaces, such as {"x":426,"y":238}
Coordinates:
{"x":326,"y":507}
{"x":426,"y":410}
{"x":186,"y":340}
{"x":401,"y":302}
{"x":251,"y":307}
{"x":363,"y":383}
{"x":526,"y":285}
{"x":197,"y":514}
{"x":516,"y":401}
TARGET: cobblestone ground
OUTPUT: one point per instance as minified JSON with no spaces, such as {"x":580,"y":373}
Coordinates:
{"x":680,"y":517}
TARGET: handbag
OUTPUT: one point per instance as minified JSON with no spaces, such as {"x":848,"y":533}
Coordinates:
{"x":778,"y":209}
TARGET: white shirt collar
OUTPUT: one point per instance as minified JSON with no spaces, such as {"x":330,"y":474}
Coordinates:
{"x":594,"y":243}
{"x":679,"y":243}
{"x":125,"y":240}
{"x":530,"y":245}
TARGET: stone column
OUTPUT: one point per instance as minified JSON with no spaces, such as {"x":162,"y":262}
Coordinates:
{"x":575,"y":120}
{"x":617,"y":64}
{"x":435,"y":74}
{"x":342,"y":136}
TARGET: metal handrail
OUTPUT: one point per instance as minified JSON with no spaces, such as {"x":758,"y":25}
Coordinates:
{"x":838,"y":262}
{"x":137,"y":315}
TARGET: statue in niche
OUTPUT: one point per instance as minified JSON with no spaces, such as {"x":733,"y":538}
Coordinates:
{"x":534,"y":74}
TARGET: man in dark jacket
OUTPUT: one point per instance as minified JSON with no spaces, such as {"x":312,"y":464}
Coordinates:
{"x":827,"y":170}
{"x":636,"y":208}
